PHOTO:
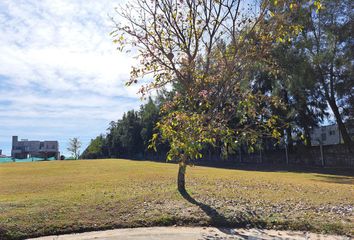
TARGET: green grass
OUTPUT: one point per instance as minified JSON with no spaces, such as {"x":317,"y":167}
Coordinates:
{"x":44,"y":198}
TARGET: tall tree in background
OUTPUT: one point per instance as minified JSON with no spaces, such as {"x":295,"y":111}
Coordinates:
{"x":74,"y":147}
{"x":205,"y":49}
{"x":149,"y":115}
{"x":123,"y":136}
{"x":96,"y":148}
{"x":130,"y":128}
{"x":327,"y":41}
{"x":306,"y":106}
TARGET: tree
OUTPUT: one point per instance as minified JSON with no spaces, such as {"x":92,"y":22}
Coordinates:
{"x":308,"y":106}
{"x":315,"y":68}
{"x":149,"y":115}
{"x":74,"y":147}
{"x":205,"y":50}
{"x":327,"y":42}
{"x":295,"y":83}
{"x":95,"y":148}
{"x":113,"y":140}
{"x":129,"y":128}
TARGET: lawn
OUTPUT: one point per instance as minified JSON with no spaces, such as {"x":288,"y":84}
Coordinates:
{"x":44,"y":198}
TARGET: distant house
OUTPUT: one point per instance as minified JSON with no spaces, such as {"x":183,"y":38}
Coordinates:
{"x":1,"y":156}
{"x":40,"y":149}
{"x":330,"y":135}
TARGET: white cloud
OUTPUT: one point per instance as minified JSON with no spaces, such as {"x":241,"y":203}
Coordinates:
{"x":59,"y":65}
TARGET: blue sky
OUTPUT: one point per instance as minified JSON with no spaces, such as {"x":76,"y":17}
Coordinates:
{"x":60,"y":74}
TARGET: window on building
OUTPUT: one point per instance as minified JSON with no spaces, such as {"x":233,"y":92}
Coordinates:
{"x":324,"y":137}
{"x":332,"y":132}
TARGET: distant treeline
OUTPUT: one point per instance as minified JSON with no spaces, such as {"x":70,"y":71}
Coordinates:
{"x":128,"y":137}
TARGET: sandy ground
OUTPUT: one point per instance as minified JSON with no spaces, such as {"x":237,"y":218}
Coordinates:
{"x":190,"y":233}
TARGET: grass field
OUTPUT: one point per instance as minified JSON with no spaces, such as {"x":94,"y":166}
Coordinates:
{"x":44,"y":198}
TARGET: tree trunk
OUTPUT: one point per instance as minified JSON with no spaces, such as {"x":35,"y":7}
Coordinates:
{"x":181,"y":182}
{"x":289,"y":138}
{"x":307,"y":136}
{"x":341,"y":126}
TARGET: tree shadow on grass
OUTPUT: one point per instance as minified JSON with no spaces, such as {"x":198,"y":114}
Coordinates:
{"x":216,"y":219}
{"x":335,"y":179}
{"x":267,"y":167}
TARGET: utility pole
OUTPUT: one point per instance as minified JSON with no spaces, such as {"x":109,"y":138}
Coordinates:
{"x":322,"y":157}
{"x":321,"y":151}
{"x":240,"y":153}
{"x":286,"y":154}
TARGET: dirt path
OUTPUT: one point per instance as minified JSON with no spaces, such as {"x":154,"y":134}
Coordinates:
{"x":190,"y":233}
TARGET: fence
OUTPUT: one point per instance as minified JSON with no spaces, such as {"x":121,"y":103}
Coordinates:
{"x":319,"y":156}
{"x":8,"y":160}
{"x":325,"y":156}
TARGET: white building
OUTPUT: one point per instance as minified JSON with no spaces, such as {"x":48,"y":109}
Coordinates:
{"x":327,"y":135}
{"x":330,"y":135}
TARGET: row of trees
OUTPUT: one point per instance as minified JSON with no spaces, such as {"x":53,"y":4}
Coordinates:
{"x":128,"y":137}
